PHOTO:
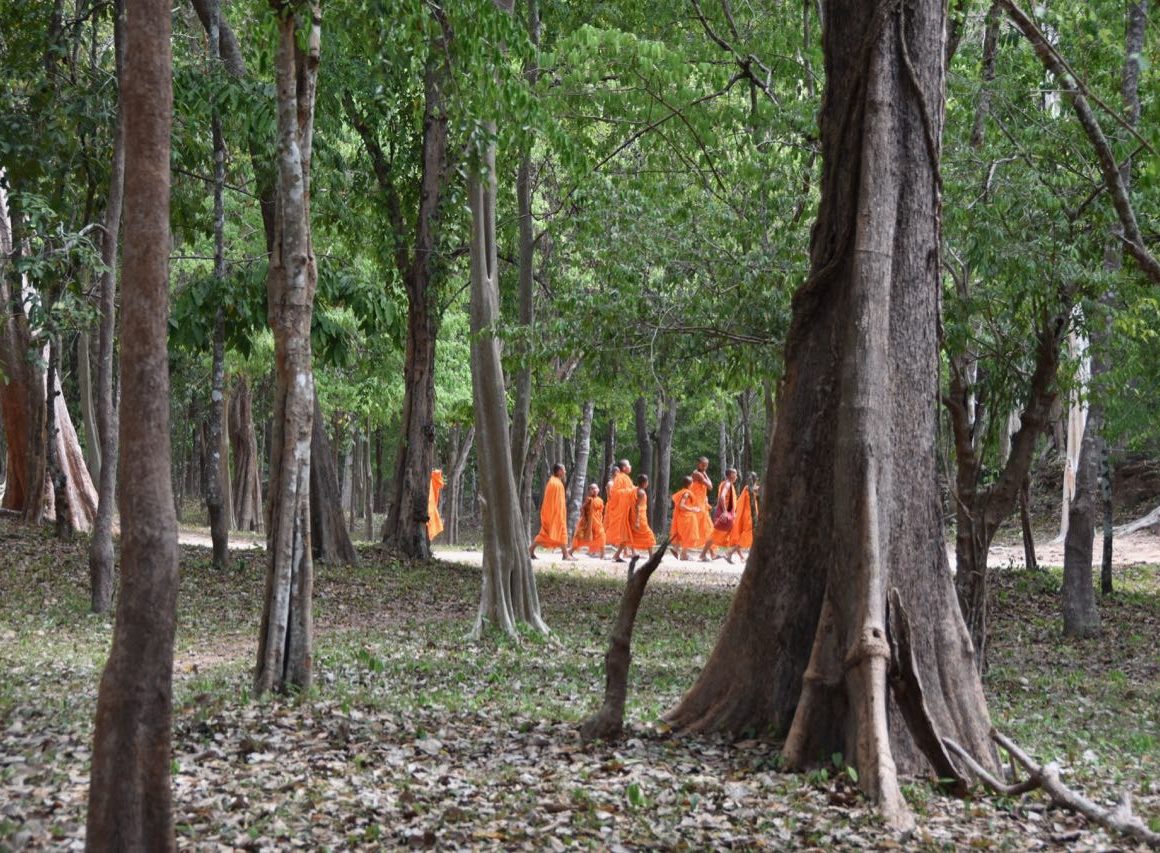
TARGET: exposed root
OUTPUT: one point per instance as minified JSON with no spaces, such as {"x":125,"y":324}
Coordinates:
{"x":608,"y":722}
{"x":1046,"y":778}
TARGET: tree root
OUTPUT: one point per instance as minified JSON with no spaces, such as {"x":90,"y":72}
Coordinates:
{"x":1046,"y":778}
{"x":608,"y":722}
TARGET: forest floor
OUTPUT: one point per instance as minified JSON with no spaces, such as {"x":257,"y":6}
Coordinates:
{"x":416,"y":737}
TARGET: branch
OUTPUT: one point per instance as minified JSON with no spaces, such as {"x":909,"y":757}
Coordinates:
{"x":1075,"y":91}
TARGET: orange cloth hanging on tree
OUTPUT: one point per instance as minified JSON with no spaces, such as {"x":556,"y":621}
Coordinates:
{"x":553,"y":516}
{"x":619,"y":510}
{"x":641,"y":536}
{"x":741,"y":536}
{"x":434,"y":520}
{"x":590,"y":528}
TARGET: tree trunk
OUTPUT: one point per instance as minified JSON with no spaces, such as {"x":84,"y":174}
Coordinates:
{"x":770,"y":400}
{"x":216,"y":488}
{"x":247,"y":483}
{"x":745,"y":458}
{"x":455,"y":489}
{"x":329,"y":535}
{"x":130,"y":795}
{"x":346,"y":489}
{"x":723,"y":446}
{"x":643,"y":445}
{"x":1081,"y":617}
{"x":810,"y":639}
{"x":88,"y":406}
{"x":578,"y":476}
{"x":509,"y":590}
{"x":665,"y":429}
{"x":609,"y":454}
{"x":286,"y":639}
{"x":56,"y":472}
{"x":368,"y":488}
{"x":1029,"y":559}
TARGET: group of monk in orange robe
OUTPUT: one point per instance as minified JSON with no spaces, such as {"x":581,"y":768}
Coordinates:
{"x":624,"y":525}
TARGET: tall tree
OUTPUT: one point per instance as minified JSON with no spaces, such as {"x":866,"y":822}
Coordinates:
{"x":130,"y":798}
{"x":286,"y":641}
{"x":101,"y":542}
{"x":509,"y":593}
{"x":847,"y":591}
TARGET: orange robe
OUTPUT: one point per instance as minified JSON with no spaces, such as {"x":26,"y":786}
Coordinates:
{"x":434,"y":520}
{"x":619,"y":510}
{"x":640,"y":534}
{"x":553,"y":516}
{"x":684,"y":531}
{"x":741,"y":536}
{"x":590,"y":528}
{"x":704,"y":517}
{"x":727,"y":496}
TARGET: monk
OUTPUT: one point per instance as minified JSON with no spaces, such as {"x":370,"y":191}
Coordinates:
{"x":741,"y":536}
{"x":684,"y":527}
{"x":619,"y":509}
{"x":700,"y":487}
{"x":590,"y":529}
{"x":641,"y":537}
{"x":726,"y":503}
{"x":554,"y":516}
{"x":434,"y":520}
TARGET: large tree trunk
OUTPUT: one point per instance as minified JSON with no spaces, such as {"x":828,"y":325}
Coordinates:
{"x":509,"y":592}
{"x":247,"y":483}
{"x":330,"y":537}
{"x":130,"y":796}
{"x":286,"y":640}
{"x":810,"y":639}
{"x":578,"y":476}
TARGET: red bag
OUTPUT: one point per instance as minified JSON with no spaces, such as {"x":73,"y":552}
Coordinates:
{"x":724,"y":521}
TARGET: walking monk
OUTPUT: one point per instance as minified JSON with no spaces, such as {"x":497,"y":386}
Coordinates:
{"x":590,"y":528}
{"x":700,"y":487}
{"x":724,"y":518}
{"x":641,"y":537}
{"x":683,"y":531}
{"x":554,"y":516}
{"x":741,"y":536}
{"x":434,"y":520}
{"x":619,"y":509}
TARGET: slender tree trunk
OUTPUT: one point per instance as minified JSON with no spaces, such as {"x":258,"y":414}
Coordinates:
{"x":286,"y":638}
{"x":368,"y":487}
{"x":578,"y":476}
{"x":329,"y":535}
{"x":609,"y":454}
{"x":848,"y":580}
{"x":665,"y":429}
{"x":509,"y":593}
{"x":216,"y":488}
{"x":1029,"y":558}
{"x":643,"y":445}
{"x":130,"y":795}
{"x":723,"y":446}
{"x":88,"y":406}
{"x":56,"y":471}
{"x":455,"y":488}
{"x":1081,"y":617}
{"x":247,"y":483}
{"x":745,"y":459}
{"x":770,"y":400}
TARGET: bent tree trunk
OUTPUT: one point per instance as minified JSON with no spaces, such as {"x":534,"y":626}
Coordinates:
{"x":810,"y":644}
{"x":130,"y":798}
{"x":509,"y":592}
{"x":286,"y":640}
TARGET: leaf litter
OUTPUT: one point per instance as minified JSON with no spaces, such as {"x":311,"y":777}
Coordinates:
{"x":416,"y":738}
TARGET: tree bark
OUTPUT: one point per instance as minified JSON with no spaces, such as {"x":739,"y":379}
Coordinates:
{"x":509,"y":593}
{"x":1081,"y":617}
{"x":56,"y":472}
{"x":745,"y":458}
{"x":665,"y":429}
{"x":578,"y":476}
{"x":216,"y":489}
{"x":643,"y":445}
{"x":810,"y":639}
{"x":1029,"y":559}
{"x":88,"y":406}
{"x":130,"y":795}
{"x":286,"y":638}
{"x":329,"y":535}
{"x":247,"y":483}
